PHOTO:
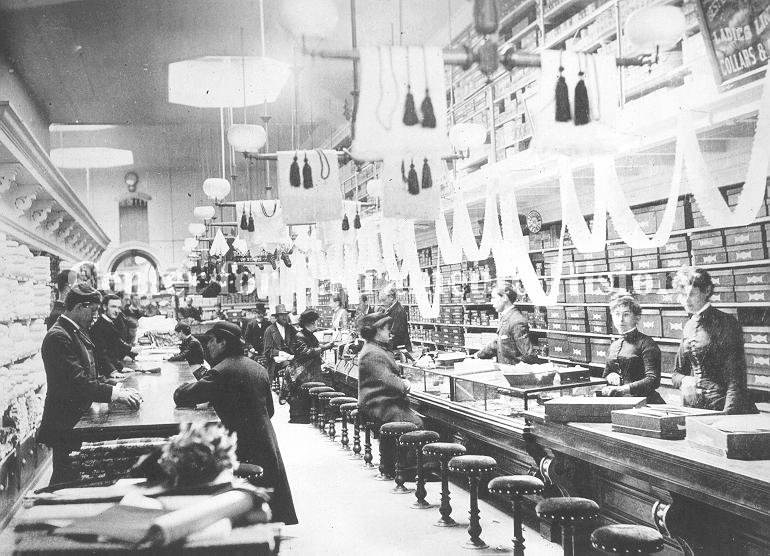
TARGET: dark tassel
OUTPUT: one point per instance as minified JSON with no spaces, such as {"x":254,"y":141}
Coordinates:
{"x":272,"y":261}
{"x":286,"y":260}
{"x":244,"y":222}
{"x":251,"y":221}
{"x":412,"y":181}
{"x":294,"y":173}
{"x":427,"y":178}
{"x":403,"y":172}
{"x":562,"y":99}
{"x":357,"y":222}
{"x":307,"y":175}
{"x":345,"y":223}
{"x":428,"y":117}
{"x":410,"y":112}
{"x":582,"y":110}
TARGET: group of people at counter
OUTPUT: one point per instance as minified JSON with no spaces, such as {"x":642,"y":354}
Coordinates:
{"x":84,"y":349}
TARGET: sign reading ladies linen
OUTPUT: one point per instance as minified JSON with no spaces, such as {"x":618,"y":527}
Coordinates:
{"x":738,"y":33}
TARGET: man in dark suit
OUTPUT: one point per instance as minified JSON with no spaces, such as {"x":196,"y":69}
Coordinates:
{"x":399,"y":329}
{"x":190,"y":349}
{"x":109,"y":346}
{"x":278,"y":337}
{"x":513,"y":344}
{"x":71,"y":378}
{"x":255,"y":329}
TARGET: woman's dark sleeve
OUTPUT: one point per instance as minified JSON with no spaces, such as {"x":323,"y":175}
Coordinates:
{"x":681,"y":366}
{"x":650,"y":355}
{"x":734,"y":366}
{"x":302,"y":350}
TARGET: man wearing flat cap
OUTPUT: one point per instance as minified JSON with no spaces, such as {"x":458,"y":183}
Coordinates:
{"x":72,"y":381}
{"x":279,"y":336}
{"x":255,"y":329}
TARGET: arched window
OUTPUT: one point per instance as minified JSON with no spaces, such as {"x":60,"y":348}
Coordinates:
{"x":132,"y":216}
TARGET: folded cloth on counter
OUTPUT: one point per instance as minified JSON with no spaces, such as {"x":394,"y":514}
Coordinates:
{"x":320,"y":202}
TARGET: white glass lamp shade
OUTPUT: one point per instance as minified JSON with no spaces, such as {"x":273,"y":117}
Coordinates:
{"x":312,"y":18}
{"x":374,"y":187}
{"x":655,"y":26}
{"x":91,"y":157}
{"x":204,"y":212}
{"x":197,"y":228}
{"x":217,"y":81}
{"x":467,"y":135}
{"x":216,"y":188}
{"x":246,"y":138}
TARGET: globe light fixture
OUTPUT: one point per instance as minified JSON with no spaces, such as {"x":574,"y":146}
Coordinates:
{"x":246,"y":138}
{"x":375,"y":187}
{"x":204,"y":212}
{"x":197,"y":228}
{"x":190,"y":243}
{"x":653,"y":27}
{"x":216,"y":188}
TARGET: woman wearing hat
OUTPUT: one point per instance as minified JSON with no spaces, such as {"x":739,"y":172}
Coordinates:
{"x":382,"y":394}
{"x":307,"y":365}
{"x":239,"y":390}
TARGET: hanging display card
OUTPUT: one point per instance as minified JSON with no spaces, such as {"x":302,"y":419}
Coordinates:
{"x":309,"y":186}
{"x":736,"y":34}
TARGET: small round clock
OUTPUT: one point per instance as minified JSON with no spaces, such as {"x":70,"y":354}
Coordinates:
{"x":131,"y":179}
{"x":534,"y":221}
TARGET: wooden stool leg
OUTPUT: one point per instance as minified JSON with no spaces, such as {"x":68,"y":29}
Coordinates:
{"x":356,"y":437}
{"x":445,"y":509}
{"x":566,"y":540}
{"x":420,"y":491}
{"x":474,"y":528}
{"x":368,"y":447}
{"x":344,"y":439}
{"x":313,"y":415}
{"x":332,"y":426}
{"x":518,"y":536}
{"x":399,"y":477}
{"x":386,"y":459}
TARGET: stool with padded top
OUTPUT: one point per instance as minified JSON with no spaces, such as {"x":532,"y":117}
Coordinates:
{"x":307,"y":400}
{"x":314,"y":406}
{"x":415,"y":441}
{"x":335,"y":411}
{"x":473,"y":467}
{"x":390,"y":453}
{"x":627,"y":539}
{"x":568,"y":512}
{"x":323,"y":408}
{"x":515,"y":487}
{"x":444,"y":451}
{"x":368,"y":425}
{"x":347,"y":410}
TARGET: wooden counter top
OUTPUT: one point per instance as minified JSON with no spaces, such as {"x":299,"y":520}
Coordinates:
{"x":157,"y":416}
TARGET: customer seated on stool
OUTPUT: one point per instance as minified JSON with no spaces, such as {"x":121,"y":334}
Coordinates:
{"x":633,"y":362}
{"x":190,"y":349}
{"x":382,"y":394}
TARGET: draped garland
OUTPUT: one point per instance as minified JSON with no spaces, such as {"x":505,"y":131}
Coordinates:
{"x":584,"y":239}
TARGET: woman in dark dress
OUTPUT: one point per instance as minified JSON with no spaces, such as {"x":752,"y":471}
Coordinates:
{"x":710,"y":367}
{"x":306,"y":366}
{"x":239,"y":390}
{"x":633,"y":362}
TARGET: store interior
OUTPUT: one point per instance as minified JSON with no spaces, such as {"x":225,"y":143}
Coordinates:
{"x":493,"y":181}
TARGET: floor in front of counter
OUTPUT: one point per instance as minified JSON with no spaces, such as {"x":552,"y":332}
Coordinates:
{"x":342,"y":509}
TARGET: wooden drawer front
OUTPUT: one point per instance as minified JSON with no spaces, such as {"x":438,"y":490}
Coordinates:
{"x":599,"y":350}
{"x":556,"y":313}
{"x":580,"y":349}
{"x":756,"y":335}
{"x":600,"y":327}
{"x":575,"y":313}
{"x":557,"y":324}
{"x":744,"y":253}
{"x":743,"y":236}
{"x":598,"y":314}
{"x":725,"y":295}
{"x":644,"y":262}
{"x":558,"y":346}
{"x":651,"y":322}
{"x":618,"y":252}
{"x":673,"y":323}
{"x":646,"y":283}
{"x":711,"y":256}
{"x":751,"y":294}
{"x":674,"y":261}
{"x":707,"y":240}
{"x":620,"y":265}
{"x":752,"y":276}
{"x":758,"y":360}
{"x":574,"y":290}
{"x":756,"y":380}
{"x":668,"y":357}
{"x":593,"y":256}
{"x":590,"y":266}
{"x":674,"y":245}
{"x":722,"y":278}
{"x":576,"y":325}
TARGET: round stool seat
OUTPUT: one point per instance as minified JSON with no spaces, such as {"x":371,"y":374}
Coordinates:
{"x":309,"y":385}
{"x":248,"y":471}
{"x":330,"y":395}
{"x":315,"y":390}
{"x":349,"y":406}
{"x":627,"y":539}
{"x":516,"y":485}
{"x":397,"y":428}
{"x":443,"y":449}
{"x":341,"y":400}
{"x":567,"y":509}
{"x":418,"y":438}
{"x":472,"y":465}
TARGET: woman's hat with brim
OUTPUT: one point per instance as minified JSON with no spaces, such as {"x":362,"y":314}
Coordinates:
{"x":226,"y":329}
{"x":373,"y":321}
{"x":280,"y":309}
{"x":308,"y":316}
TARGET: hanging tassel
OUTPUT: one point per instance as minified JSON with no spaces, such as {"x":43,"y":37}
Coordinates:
{"x":307,"y":175}
{"x":410,"y":113}
{"x":562,"y":99}
{"x":286,"y":259}
{"x":294,"y":172}
{"x":582,"y":109}
{"x":244,"y":222}
{"x":413,"y":183}
{"x":345,"y":223}
{"x":428,"y":116}
{"x":403,"y":172}
{"x":427,"y":178}
{"x":251,"y":220}
{"x":357,"y":222}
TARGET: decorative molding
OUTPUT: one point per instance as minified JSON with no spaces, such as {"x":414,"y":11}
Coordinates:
{"x":22,"y":197}
{"x":15,"y":136}
{"x":8,"y":175}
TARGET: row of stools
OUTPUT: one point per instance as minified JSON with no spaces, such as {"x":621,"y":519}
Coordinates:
{"x":397,"y":439}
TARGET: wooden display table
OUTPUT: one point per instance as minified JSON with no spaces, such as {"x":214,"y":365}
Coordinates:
{"x":157,"y":416}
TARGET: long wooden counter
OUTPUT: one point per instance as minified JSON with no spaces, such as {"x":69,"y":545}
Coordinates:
{"x":703,"y":504}
{"x":157,"y":416}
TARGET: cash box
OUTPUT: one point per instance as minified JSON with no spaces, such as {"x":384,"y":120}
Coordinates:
{"x":745,"y":437}
{"x":588,"y":409}
{"x":656,"y":421}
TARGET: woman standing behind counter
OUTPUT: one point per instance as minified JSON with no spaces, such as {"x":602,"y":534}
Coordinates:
{"x":710,"y":367}
{"x":633,"y":362}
